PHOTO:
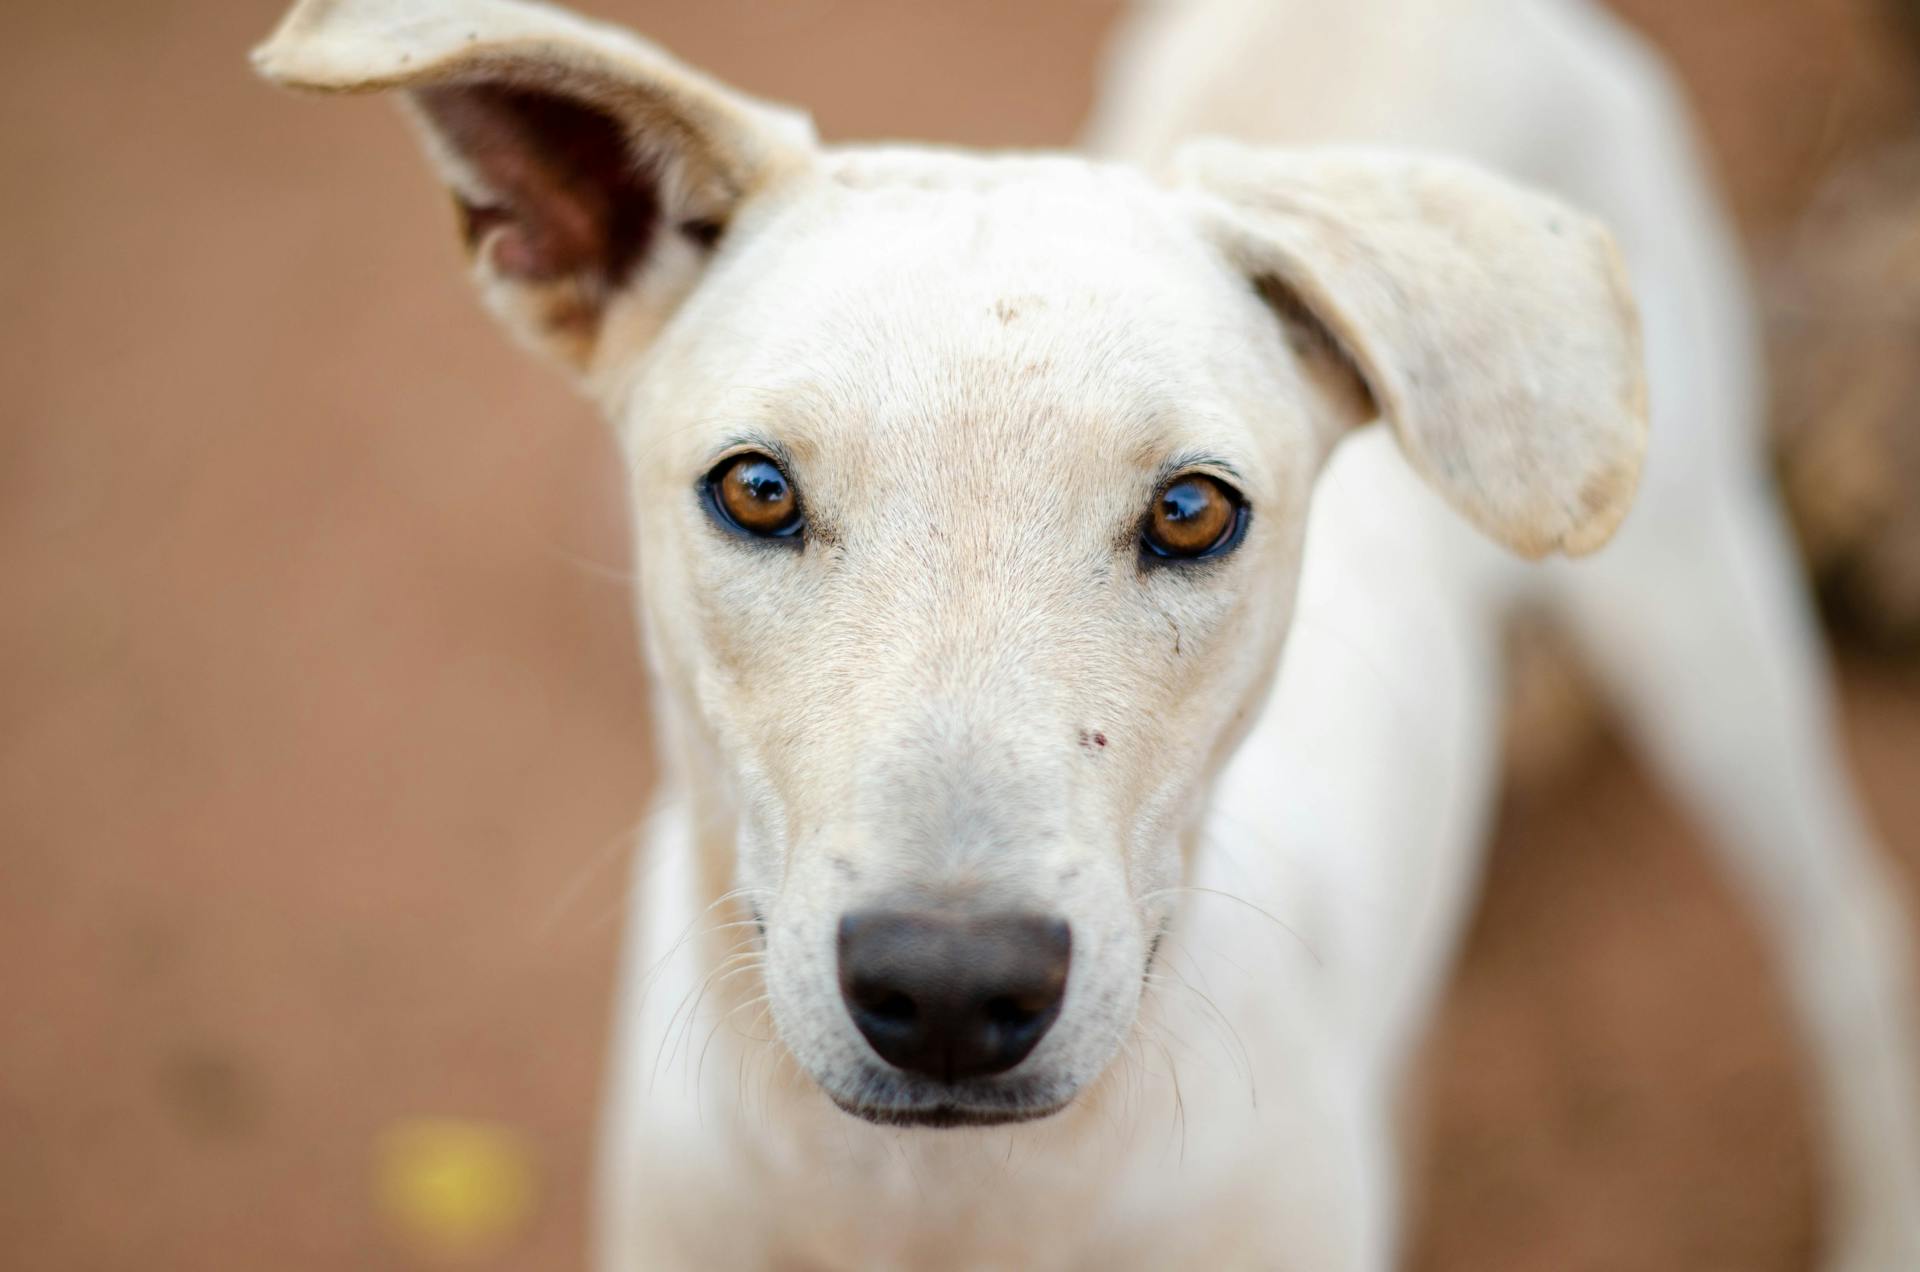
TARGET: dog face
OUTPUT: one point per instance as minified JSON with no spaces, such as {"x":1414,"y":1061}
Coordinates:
{"x":970,"y":491}
{"x":1036,"y":466}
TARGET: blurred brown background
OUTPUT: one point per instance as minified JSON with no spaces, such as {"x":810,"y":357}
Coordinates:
{"x":321,"y":724}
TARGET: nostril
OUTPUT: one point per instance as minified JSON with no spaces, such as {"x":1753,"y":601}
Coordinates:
{"x":888,"y":1005}
{"x":1011,"y":1013}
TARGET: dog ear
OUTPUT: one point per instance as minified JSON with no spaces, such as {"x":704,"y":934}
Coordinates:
{"x":590,"y":171}
{"x":1489,"y":326}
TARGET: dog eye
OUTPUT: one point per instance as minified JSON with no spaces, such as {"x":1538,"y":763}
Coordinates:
{"x":750,"y":494}
{"x":1192,"y":517}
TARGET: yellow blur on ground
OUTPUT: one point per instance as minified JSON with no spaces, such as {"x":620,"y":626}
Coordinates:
{"x":458,"y":1191}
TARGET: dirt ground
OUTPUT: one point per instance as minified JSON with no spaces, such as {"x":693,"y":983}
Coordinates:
{"x":321,"y":727}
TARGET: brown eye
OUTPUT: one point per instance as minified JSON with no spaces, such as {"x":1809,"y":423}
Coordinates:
{"x":1194,"y":516}
{"x":751,"y":494}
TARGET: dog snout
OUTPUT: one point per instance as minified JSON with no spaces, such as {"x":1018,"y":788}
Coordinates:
{"x":953,"y":996}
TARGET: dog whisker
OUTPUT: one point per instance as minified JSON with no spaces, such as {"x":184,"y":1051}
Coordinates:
{"x":1268,"y":915}
{"x":690,"y":1001}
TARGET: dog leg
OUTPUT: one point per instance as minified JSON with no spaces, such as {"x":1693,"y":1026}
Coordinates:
{"x":1728,"y":693}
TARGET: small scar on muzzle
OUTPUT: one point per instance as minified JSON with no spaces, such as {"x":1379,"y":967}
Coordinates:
{"x":759,"y":922}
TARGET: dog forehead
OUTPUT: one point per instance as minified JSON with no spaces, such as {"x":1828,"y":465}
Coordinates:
{"x":1062,"y":247}
{"x":972,"y":308}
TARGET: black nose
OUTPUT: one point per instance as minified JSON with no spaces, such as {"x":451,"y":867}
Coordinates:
{"x":953,"y":996}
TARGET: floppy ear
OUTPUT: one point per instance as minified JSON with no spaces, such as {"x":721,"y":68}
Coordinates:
{"x":1489,"y":326}
{"x":590,"y":170}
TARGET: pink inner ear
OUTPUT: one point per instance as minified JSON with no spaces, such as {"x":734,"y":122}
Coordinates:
{"x":570,"y":200}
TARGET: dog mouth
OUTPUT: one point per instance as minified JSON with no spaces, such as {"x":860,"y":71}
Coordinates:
{"x":883,"y":1099}
{"x":947,"y":1115}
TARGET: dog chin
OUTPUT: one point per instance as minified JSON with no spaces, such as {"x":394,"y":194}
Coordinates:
{"x":946,"y":1116}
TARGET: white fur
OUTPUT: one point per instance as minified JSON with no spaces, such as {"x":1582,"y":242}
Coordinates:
{"x":977,"y":369}
{"x":1695,"y":617}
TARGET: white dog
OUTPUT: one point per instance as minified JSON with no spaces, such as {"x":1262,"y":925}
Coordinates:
{"x":1002,"y":910}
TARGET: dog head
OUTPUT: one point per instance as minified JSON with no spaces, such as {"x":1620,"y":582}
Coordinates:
{"x":970,"y":490}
